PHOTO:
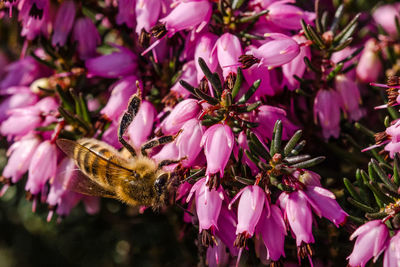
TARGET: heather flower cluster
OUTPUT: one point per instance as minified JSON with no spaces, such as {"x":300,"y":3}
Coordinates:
{"x":237,"y":84}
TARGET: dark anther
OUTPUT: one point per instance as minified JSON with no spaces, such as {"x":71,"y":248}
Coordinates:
{"x":241,"y":240}
{"x":248,"y":60}
{"x":393,"y":81}
{"x":230,"y":81}
{"x":203,"y":86}
{"x":36,"y":12}
{"x":206,"y":238}
{"x":380,"y":137}
{"x":159,"y":31}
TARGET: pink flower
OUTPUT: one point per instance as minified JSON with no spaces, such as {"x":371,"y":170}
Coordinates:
{"x":350,"y":96}
{"x":147,"y":12}
{"x":266,"y":118}
{"x":121,"y":92}
{"x":40,"y":173}
{"x":251,"y":204}
{"x":371,"y":241}
{"x":297,"y":65}
{"x":204,"y":50}
{"x":189,"y":75}
{"x":324,"y":204}
{"x":34,"y":15}
{"x":65,"y":170}
{"x":299,"y":215}
{"x":20,"y":155}
{"x":242,"y":143}
{"x":263,"y":74}
{"x":184,"y":111}
{"x":385,"y":16}
{"x":110,"y":135}
{"x":87,"y":36}
{"x":392,"y":252}
{"x":369,"y":68}
{"x":142,"y":125}
{"x":218,"y":144}
{"x":228,"y":51}
{"x":288,"y":16}
{"x":63,"y":23}
{"x":217,"y":255}
{"x":19,"y":100}
{"x":281,"y":50}
{"x":126,"y":13}
{"x":188,"y":141}
{"x":327,"y":106}
{"x":186,"y":15}
{"x":273,"y":231}
{"x":68,"y":201}
{"x":227,"y":222}
{"x":169,"y":151}
{"x":208,"y":204}
{"x":114,"y":65}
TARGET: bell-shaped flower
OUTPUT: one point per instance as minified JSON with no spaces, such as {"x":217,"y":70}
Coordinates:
{"x":87,"y":36}
{"x":251,"y":204}
{"x":204,"y":49}
{"x":369,"y":67}
{"x":229,"y":50}
{"x":39,"y":173}
{"x":184,"y":111}
{"x":273,"y":231}
{"x":325,"y":204}
{"x":385,"y":16}
{"x":19,"y":100}
{"x":208,"y":204}
{"x":147,"y":12}
{"x":187,"y":15}
{"x":350,"y":96}
{"x":188,"y":141}
{"x":218,"y":145}
{"x":140,"y":128}
{"x":63,"y":24}
{"x":287,"y":16}
{"x":327,"y":106}
{"x":121,"y":92}
{"x":114,"y":65}
{"x":392,"y":252}
{"x":227,"y":223}
{"x":189,"y":75}
{"x":20,"y":155}
{"x":34,"y":15}
{"x":371,"y":241}
{"x":126,"y":13}
{"x":280,"y":50}
{"x":217,"y":255}
{"x":299,"y":215}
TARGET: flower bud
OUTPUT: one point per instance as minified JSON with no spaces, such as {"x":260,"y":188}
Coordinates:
{"x":369,"y":68}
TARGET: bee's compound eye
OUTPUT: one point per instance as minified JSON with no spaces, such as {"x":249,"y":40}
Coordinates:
{"x":160,"y":182}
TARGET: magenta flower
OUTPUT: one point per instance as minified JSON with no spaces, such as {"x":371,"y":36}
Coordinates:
{"x":63,"y":23}
{"x":208,"y":204}
{"x":204,"y":49}
{"x":147,"y":12}
{"x":324,"y":203}
{"x":251,"y":204}
{"x":299,"y":215}
{"x":217,"y":255}
{"x":186,"y":15}
{"x":263,"y":74}
{"x":20,"y":155}
{"x":392,"y":252}
{"x":242,"y":143}
{"x":267,"y":116}
{"x":68,"y":200}
{"x":126,"y":13}
{"x":188,"y":142}
{"x":168,"y":151}
{"x":65,"y":170}
{"x":385,"y":16}
{"x":34,"y":15}
{"x":288,"y":16}
{"x":327,"y":106}
{"x":350,"y":96}
{"x":110,"y":135}
{"x":228,"y":51}
{"x":369,"y":68}
{"x":121,"y":92}
{"x":227,"y":222}
{"x":87,"y":36}
{"x":218,"y":144}
{"x":114,"y":65}
{"x":371,"y":241}
{"x":142,"y":125}
{"x":281,"y":50}
{"x":40,"y":173}
{"x":21,"y":99}
{"x":189,"y":75}
{"x":184,"y":111}
{"x":273,"y":231}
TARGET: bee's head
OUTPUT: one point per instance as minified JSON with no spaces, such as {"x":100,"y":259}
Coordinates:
{"x":160,"y":183}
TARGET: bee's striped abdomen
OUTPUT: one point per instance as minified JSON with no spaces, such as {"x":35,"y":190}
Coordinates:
{"x":96,"y":165}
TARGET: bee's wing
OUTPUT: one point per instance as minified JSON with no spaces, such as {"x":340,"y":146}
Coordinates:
{"x":82,"y":184}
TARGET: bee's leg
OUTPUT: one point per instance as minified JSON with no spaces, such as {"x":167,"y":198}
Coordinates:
{"x":159,"y":141}
{"x":169,"y":162}
{"x":127,"y":118}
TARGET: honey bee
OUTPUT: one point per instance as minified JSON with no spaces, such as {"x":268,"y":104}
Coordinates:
{"x":106,"y":172}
